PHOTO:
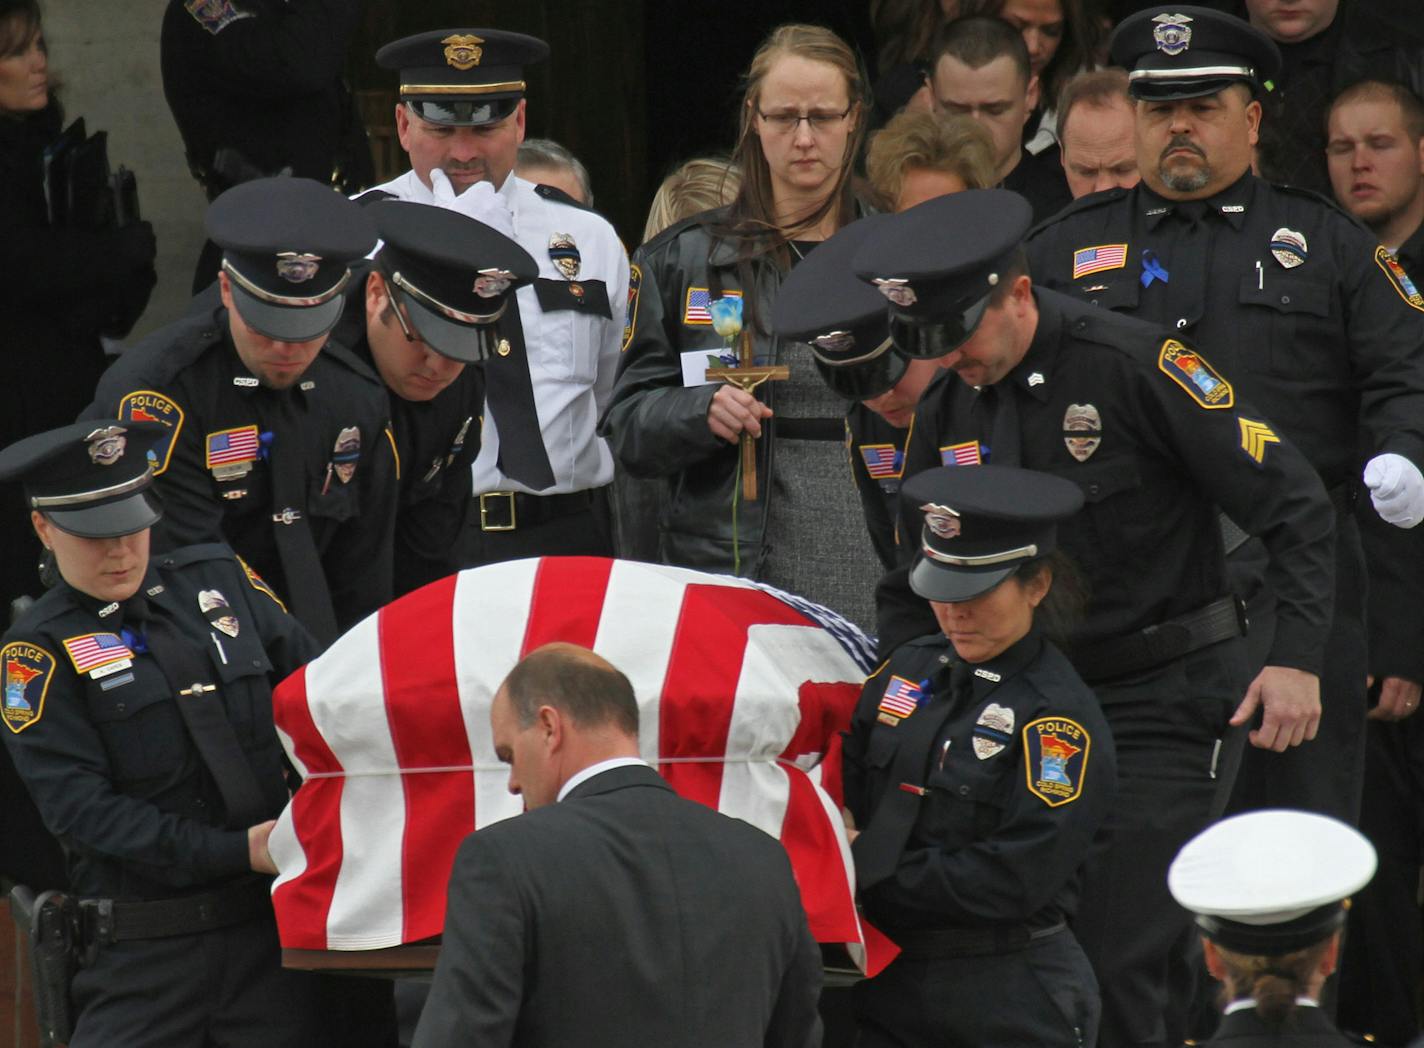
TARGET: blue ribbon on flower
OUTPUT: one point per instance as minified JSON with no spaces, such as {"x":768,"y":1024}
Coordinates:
{"x":1152,"y":269}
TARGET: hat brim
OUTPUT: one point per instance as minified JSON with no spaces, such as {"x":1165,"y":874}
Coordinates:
{"x":1184,"y":88}
{"x":474,"y":111}
{"x":950,"y":585}
{"x":287,"y":323}
{"x":467,"y":343}
{"x":866,"y":379}
{"x":925,"y":339}
{"x":108,"y":520}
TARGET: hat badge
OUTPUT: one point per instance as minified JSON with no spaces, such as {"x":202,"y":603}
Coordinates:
{"x":491,"y":283}
{"x":835,"y":342}
{"x":941,"y":520}
{"x":897,"y":290}
{"x":463,"y":51}
{"x":1172,"y":33}
{"x":295,"y":267}
{"x":106,"y":445}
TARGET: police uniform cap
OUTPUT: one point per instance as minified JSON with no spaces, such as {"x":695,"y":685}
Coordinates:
{"x":288,"y":245}
{"x":1271,"y":882}
{"x":462,"y":77}
{"x":1190,"y":52}
{"x":981,"y":523}
{"x":938,"y":263}
{"x":454,"y":274}
{"x":90,"y":478}
{"x":843,"y":319}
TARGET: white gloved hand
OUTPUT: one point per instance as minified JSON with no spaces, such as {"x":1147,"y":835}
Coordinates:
{"x":480,"y":202}
{"x":1396,"y":488}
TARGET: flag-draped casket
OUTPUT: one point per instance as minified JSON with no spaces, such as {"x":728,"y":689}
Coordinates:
{"x":741,"y":691}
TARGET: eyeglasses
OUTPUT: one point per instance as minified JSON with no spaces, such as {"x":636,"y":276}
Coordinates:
{"x":820,"y":122}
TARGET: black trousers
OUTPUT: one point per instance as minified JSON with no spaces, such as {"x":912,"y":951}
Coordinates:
{"x":584,"y":532}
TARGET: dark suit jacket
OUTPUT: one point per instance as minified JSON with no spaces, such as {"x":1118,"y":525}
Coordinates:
{"x":1244,"y":1029}
{"x":623,"y":915}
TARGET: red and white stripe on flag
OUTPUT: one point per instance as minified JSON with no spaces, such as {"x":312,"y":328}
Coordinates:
{"x":741,"y":696}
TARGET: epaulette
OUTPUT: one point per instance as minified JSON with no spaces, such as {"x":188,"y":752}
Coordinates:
{"x":351,"y":360}
{"x":1320,"y":198}
{"x":48,"y":605}
{"x":372,"y":196}
{"x":1083,"y":203}
{"x":185,"y":555}
{"x":558,"y":196}
{"x":161,"y":355}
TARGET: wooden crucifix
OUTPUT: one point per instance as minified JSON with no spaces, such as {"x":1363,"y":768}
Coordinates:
{"x":747,"y":376}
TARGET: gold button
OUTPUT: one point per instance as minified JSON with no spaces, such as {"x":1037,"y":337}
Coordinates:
{"x":503,"y":348}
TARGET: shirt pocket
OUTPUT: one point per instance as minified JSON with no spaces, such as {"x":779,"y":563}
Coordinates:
{"x":140,"y":726}
{"x":330,"y":500}
{"x":1101,"y":542}
{"x":966,"y":796}
{"x":1281,"y":312}
{"x":564,"y":337}
{"x":1118,"y":292}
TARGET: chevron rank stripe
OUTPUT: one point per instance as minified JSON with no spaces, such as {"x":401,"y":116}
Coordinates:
{"x":1254,"y":438}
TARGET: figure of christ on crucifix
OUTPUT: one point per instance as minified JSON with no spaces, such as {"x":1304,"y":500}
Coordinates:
{"x":746,"y":376}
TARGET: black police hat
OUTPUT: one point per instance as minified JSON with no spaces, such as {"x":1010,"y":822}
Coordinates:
{"x":1189,"y":52}
{"x":90,"y":478}
{"x":938,"y":262}
{"x":454,"y":274}
{"x":843,"y":319}
{"x":462,"y":77}
{"x":288,"y":244}
{"x":981,"y":523}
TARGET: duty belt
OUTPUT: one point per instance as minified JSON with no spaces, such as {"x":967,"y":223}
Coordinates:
{"x":509,"y":510}
{"x":970,"y":942}
{"x":1220,"y":620}
{"x":108,"y":921}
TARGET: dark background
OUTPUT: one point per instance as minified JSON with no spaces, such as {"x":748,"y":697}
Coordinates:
{"x":633,"y":87}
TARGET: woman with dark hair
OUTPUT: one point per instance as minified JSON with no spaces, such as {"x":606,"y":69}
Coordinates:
{"x":702,"y":286}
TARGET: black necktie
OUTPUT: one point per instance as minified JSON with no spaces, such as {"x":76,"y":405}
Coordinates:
{"x":1187,"y":266}
{"x":301,"y":564}
{"x":196,"y":691}
{"x":509,"y":396}
{"x":1004,"y":443}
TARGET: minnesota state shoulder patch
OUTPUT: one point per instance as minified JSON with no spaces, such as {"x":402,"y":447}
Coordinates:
{"x":28,"y":669}
{"x":630,"y":325}
{"x":258,"y":583}
{"x":1188,"y":369}
{"x":1055,"y":759}
{"x":144,"y":405}
{"x":1384,"y":258}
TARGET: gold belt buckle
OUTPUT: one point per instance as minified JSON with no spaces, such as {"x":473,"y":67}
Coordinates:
{"x":485,"y":525}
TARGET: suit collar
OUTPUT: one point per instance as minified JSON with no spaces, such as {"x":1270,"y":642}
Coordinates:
{"x":606,"y":777}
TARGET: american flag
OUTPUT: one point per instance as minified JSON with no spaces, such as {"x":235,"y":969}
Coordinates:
{"x":901,"y":698}
{"x":966,"y":454}
{"x":93,"y":650}
{"x":699,"y":299}
{"x":232,"y":445}
{"x":742,"y":697}
{"x":882,"y":461}
{"x":1087,"y":260}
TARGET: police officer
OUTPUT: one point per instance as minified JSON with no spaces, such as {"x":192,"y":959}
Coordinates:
{"x":427,"y":317}
{"x":978,"y":768}
{"x":541,"y":474}
{"x":275,"y":439}
{"x":1270,"y":890}
{"x":1157,"y":438}
{"x":138,"y":709}
{"x":1293,"y":299}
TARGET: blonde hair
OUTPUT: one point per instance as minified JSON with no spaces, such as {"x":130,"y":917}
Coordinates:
{"x":700,"y":184}
{"x":958,"y":145}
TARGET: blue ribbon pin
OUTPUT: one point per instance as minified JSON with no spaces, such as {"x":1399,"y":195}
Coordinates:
{"x":1152,"y":269}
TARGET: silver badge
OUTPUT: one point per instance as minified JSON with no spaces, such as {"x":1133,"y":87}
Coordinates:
{"x":218,"y":612}
{"x":297,"y":268}
{"x":564,"y":253}
{"x":106,"y":445}
{"x":996,"y":718}
{"x":941,"y":520}
{"x":835,"y":342}
{"x":1173,"y":33}
{"x":345,"y":453}
{"x":1289,"y":247}
{"x":492,"y":283}
{"x":1082,"y":418}
{"x":897,"y":290}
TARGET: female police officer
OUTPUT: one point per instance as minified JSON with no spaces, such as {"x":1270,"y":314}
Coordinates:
{"x":137,"y":698}
{"x":978,"y":768}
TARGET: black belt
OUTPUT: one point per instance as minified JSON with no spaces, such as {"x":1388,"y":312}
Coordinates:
{"x":1220,"y":620}
{"x":109,"y":921}
{"x":509,"y":510}
{"x":970,"y":942}
{"x":809,"y":428}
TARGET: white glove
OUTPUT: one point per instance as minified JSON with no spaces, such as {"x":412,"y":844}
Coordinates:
{"x":1396,"y":488}
{"x":480,"y":202}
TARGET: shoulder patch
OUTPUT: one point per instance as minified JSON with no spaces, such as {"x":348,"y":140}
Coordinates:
{"x":28,"y":669}
{"x":144,"y":405}
{"x":630,"y":323}
{"x":1189,"y":369}
{"x":1398,"y":278}
{"x":92,"y":652}
{"x":215,"y":15}
{"x":1056,"y":753}
{"x":258,"y":583}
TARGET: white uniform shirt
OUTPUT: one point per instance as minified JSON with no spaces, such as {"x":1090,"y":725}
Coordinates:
{"x":573,"y":356}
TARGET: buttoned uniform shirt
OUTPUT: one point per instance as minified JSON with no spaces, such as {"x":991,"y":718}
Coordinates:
{"x":188,"y":376}
{"x":573,"y":352}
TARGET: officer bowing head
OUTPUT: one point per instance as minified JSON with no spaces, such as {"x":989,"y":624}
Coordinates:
{"x":1195,"y":74}
{"x":440,"y":286}
{"x":987,"y":550}
{"x":954,"y":274}
{"x":288,"y":245}
{"x":88,"y":489}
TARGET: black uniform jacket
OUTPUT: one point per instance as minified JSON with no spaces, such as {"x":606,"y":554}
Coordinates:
{"x":1162,"y":440}
{"x":877,"y":462}
{"x":1312,"y":1029}
{"x":103,"y":747}
{"x":1019,"y":772}
{"x":189,"y":376}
